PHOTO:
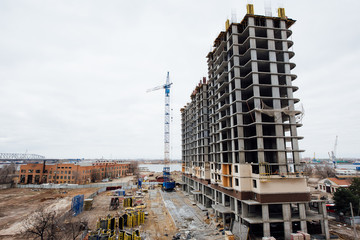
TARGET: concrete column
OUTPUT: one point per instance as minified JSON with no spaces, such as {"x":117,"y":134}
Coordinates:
{"x":287,"y":230}
{"x":236,"y":206}
{"x":223,"y":216}
{"x":325,"y":228}
{"x":236,"y":210}
{"x":244,"y":210}
{"x":302,"y":211}
{"x":323,"y":209}
{"x":223,"y":199}
{"x":303,"y":226}
{"x":287,"y":220}
{"x":265,"y":212}
{"x":302,"y":214}
{"x":266,"y":229}
{"x":265,"y":218}
{"x":286,"y":212}
{"x":324,"y":223}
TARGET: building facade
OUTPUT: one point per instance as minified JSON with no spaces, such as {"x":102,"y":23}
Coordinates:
{"x":331,"y":185}
{"x":240,"y":147}
{"x":37,"y":173}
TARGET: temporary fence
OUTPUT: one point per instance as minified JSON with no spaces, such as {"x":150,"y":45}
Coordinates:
{"x":77,"y":204}
{"x":123,"y":185}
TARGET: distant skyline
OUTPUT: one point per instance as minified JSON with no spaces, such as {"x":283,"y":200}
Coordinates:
{"x":74,"y":74}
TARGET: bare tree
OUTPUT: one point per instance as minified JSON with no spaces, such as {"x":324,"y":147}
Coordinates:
{"x":76,"y":176}
{"x":308,"y":170}
{"x":73,"y":227}
{"x":324,"y":171}
{"x":47,"y":224}
{"x":42,"y":224}
{"x":7,"y":173}
{"x":95,"y":175}
{"x":134,"y":169}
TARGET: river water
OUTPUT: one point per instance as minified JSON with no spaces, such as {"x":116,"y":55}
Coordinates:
{"x":348,"y":166}
{"x":159,"y":167}
{"x":177,"y":167}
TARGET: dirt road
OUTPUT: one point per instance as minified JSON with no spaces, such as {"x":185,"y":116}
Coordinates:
{"x":188,"y":218}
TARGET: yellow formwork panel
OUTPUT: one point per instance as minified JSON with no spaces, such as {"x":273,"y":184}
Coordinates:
{"x":98,"y":224}
{"x":127,"y":236}
{"x":281,"y":13}
{"x":250,"y":9}
{"x":142,"y":217}
{"x":129,"y":220}
{"x":227,"y":24}
{"x":121,"y":236}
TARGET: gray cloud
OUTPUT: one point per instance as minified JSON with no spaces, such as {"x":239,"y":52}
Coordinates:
{"x":73,"y":74}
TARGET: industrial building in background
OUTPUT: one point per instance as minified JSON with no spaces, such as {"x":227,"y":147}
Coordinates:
{"x":73,"y":173}
{"x":240,"y":149}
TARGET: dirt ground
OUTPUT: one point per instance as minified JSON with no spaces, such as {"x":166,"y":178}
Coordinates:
{"x":16,"y":205}
{"x":343,"y":231}
{"x":158,"y":224}
{"x":168,"y":214}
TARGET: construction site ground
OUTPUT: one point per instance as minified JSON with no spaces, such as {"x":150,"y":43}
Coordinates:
{"x":189,"y":219}
{"x":16,"y":204}
{"x":169,"y":214}
{"x":343,"y":231}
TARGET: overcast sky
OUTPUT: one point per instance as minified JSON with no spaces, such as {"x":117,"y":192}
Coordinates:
{"x":74,"y":74}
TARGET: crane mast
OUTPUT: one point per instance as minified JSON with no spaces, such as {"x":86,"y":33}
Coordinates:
{"x":168,"y":183}
{"x":167,"y":122}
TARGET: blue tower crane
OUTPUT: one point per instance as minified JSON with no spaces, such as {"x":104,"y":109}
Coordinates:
{"x":168,"y":184}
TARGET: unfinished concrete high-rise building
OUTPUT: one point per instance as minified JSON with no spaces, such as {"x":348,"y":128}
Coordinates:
{"x":240,"y":147}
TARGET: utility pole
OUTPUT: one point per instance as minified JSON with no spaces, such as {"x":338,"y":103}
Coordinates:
{"x":353,"y":221}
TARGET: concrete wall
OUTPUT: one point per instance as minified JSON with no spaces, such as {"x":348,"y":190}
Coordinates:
{"x":125,"y":185}
{"x":5,"y":186}
{"x":289,"y":185}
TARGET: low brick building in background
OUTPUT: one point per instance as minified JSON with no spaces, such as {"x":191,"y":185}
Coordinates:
{"x":331,"y":185}
{"x":75,"y":173}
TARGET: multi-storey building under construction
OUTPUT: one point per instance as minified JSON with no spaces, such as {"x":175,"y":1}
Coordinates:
{"x":240,"y":147}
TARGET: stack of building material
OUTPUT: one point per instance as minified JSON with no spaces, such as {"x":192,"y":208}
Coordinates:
{"x":229,"y":235}
{"x":141,"y":206}
{"x":88,"y":204}
{"x":297,"y":236}
{"x":305,"y":235}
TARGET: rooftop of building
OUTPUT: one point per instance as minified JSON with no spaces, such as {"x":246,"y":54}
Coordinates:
{"x":340,"y":182}
{"x":281,"y":17}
